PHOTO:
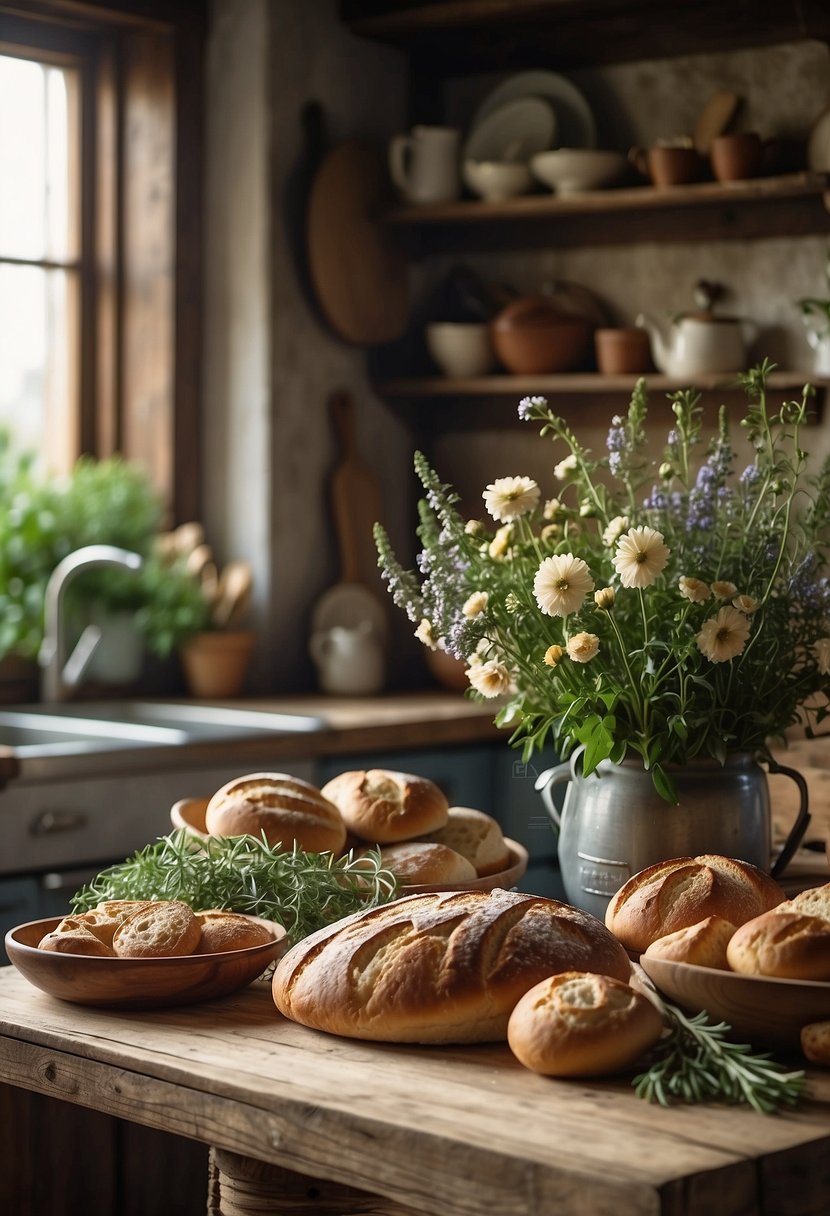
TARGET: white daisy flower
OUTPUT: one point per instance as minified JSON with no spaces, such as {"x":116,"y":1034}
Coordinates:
{"x":509,"y":497}
{"x":566,"y":469}
{"x":582,"y":647}
{"x":475,"y":604}
{"x":724,"y":636}
{"x":491,"y":679}
{"x":425,"y":633}
{"x":561,"y":584}
{"x":694,"y":589}
{"x":615,"y":529}
{"x":641,"y":555}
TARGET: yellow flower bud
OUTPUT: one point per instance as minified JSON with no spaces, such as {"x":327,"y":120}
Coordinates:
{"x":553,"y":654}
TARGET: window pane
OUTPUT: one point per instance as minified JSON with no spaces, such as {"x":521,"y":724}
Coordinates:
{"x":38,"y":105}
{"x":38,"y":371}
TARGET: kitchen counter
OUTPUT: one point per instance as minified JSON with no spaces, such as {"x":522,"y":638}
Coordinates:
{"x":448,"y":1131}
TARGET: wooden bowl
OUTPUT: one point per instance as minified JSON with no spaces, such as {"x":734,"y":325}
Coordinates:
{"x":762,"y":1011}
{"x":189,"y":814}
{"x":137,"y":983}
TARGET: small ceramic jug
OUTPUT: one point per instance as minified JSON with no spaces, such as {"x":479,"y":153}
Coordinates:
{"x":424,"y":165}
{"x":349,"y":660}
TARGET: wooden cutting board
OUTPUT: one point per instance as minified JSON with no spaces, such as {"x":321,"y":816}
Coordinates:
{"x":355,"y":500}
{"x":359,"y":274}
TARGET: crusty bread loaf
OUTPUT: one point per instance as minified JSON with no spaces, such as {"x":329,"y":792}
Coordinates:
{"x":815,"y":901}
{"x":703,"y":944}
{"x":438,"y":968}
{"x":417,"y":863}
{"x":286,"y":809}
{"x":789,"y":945}
{"x":476,"y":836}
{"x":815,"y":1042}
{"x":677,"y":893}
{"x":222,"y":931}
{"x":385,"y":807}
{"x":158,"y":930}
{"x":577,"y":1024}
{"x":72,"y":936}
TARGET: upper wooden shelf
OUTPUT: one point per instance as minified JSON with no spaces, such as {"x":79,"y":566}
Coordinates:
{"x":456,"y":37}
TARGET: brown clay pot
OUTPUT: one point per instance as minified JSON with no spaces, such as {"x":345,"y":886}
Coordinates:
{"x":215,"y":663}
{"x":624,"y":351}
{"x":532,"y":336}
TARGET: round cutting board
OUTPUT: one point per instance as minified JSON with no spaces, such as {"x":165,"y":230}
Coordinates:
{"x":359,"y":275}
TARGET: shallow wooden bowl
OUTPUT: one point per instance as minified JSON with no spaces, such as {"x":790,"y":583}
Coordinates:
{"x":189,"y":814}
{"x":762,"y":1011}
{"x":137,"y":983}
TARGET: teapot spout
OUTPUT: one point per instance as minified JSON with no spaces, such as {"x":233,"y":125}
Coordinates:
{"x":658,"y":340}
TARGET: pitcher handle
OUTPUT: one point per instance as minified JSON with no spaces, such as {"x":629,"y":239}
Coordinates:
{"x":546,"y":781}
{"x":802,"y":820}
{"x":400,"y":150}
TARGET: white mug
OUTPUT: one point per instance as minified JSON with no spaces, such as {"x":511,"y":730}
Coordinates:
{"x":424,"y":165}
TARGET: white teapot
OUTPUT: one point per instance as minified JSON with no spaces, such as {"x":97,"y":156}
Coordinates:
{"x":349,"y":660}
{"x":697,"y":343}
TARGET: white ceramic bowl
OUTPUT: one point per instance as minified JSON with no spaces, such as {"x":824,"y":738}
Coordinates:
{"x":497,"y":180}
{"x":461,"y":349}
{"x":513,"y":131}
{"x":571,"y":170}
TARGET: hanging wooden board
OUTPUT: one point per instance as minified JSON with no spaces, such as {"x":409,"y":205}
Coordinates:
{"x":359,"y":274}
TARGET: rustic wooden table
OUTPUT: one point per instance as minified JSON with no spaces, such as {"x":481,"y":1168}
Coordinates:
{"x":304,"y":1122}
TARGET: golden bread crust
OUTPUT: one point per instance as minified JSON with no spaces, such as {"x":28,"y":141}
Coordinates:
{"x":476,"y":836}
{"x":703,"y":944}
{"x":383,"y":806}
{"x":222,"y":931}
{"x":158,"y":930}
{"x":788,"y":945}
{"x":286,"y":809}
{"x":419,"y":862}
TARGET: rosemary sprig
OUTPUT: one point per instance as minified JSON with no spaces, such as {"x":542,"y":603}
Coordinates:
{"x":302,"y":891}
{"x":695,"y":1062}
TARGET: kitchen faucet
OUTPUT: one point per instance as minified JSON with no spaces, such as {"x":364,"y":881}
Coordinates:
{"x":60,"y":673}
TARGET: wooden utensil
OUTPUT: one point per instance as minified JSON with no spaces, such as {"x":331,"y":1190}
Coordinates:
{"x":355,"y":499}
{"x":359,"y":274}
{"x":714,"y":119}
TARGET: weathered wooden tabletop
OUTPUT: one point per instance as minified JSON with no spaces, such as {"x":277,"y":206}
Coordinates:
{"x":452,"y":1130}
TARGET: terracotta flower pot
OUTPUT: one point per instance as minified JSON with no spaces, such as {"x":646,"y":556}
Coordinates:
{"x":215,"y":663}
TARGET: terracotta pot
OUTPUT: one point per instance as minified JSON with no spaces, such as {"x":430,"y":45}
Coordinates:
{"x":533,"y":336}
{"x":215,"y":663}
{"x":446,"y":670}
{"x":623,"y":351}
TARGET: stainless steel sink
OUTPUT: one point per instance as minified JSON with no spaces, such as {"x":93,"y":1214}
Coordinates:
{"x":62,"y":730}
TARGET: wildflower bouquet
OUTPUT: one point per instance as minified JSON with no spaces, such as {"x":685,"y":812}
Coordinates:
{"x":650,"y":609}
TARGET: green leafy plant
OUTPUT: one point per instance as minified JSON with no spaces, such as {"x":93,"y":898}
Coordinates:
{"x":658,"y":608}
{"x":302,"y":891}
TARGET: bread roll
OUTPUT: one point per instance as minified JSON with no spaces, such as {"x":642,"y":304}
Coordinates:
{"x":675,"y":894}
{"x":286,"y":809}
{"x":813,"y":902}
{"x":71,"y":936}
{"x":789,"y":945}
{"x":577,"y":1024}
{"x":815,"y":1042}
{"x":222,"y":931}
{"x":703,"y":944}
{"x":162,"y":929}
{"x":476,"y":836}
{"x":419,"y":863}
{"x":438,"y":968}
{"x":385,"y":807}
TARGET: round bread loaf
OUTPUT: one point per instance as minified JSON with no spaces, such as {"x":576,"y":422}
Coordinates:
{"x":578,"y":1024}
{"x":419,"y":862}
{"x":815,"y":901}
{"x":287,"y":810}
{"x":438,"y":968}
{"x":815,"y":1042}
{"x":72,"y":936}
{"x":161,"y":929}
{"x":476,"y":836}
{"x":677,"y":893}
{"x":223,"y":931}
{"x":703,"y":944}
{"x":385,"y":807}
{"x":789,"y":945}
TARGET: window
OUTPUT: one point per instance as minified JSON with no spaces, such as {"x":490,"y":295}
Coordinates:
{"x":100,"y":234}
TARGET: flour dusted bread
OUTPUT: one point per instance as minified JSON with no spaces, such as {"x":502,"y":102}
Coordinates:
{"x":286,"y":809}
{"x":578,"y":1024}
{"x":72,"y":936}
{"x":476,"y":836}
{"x":675,"y":894}
{"x":222,"y":931}
{"x":703,"y":944}
{"x":815,"y":901}
{"x":439,"y":968}
{"x":383,"y":806}
{"x":419,"y":863}
{"x":789,"y":945}
{"x":158,"y":930}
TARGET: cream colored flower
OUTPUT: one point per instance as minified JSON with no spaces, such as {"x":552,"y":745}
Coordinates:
{"x":491,"y":679}
{"x":553,"y":654}
{"x":561,"y":584}
{"x":694,"y":589}
{"x":509,"y":497}
{"x":605,"y":598}
{"x":724,"y":590}
{"x":724,"y":636}
{"x":582,"y":647}
{"x":473,"y":527}
{"x":553,"y":509}
{"x":821,"y":649}
{"x":475,"y":604}
{"x":566,"y":469}
{"x":640,"y":557}
{"x":425,"y":633}
{"x":550,"y":532}
{"x":501,"y":542}
{"x":615,"y":529}
{"x":746,"y":604}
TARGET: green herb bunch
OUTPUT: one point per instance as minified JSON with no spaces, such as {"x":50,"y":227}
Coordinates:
{"x":301,"y":891}
{"x":667,"y":607}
